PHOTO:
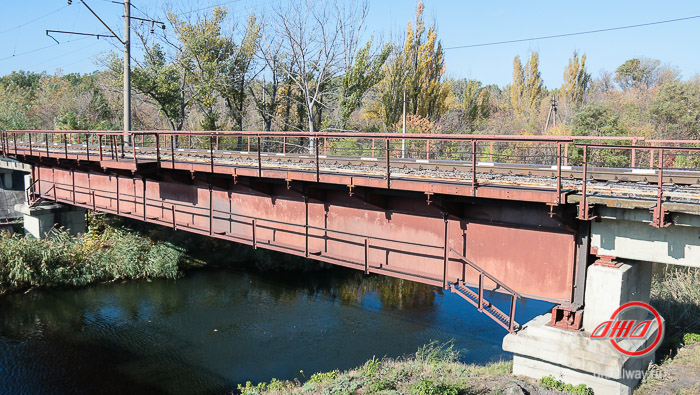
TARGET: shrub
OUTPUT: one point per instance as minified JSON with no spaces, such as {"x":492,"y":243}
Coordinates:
{"x":430,"y":387}
{"x":549,"y":382}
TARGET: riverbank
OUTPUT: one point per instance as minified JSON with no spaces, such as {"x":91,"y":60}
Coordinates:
{"x":433,"y":369}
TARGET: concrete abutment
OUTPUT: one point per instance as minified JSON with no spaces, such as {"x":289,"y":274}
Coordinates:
{"x":572,"y":356}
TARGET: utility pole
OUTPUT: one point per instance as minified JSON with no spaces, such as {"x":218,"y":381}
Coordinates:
{"x":552,"y":113}
{"x":127,"y":54}
{"x":127,"y":71}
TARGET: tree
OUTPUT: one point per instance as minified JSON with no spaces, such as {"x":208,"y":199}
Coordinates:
{"x":639,"y":73}
{"x":597,"y":120}
{"x":268,"y":95}
{"x":476,"y":103}
{"x":365,"y":73}
{"x":526,"y":91}
{"x":676,"y":110}
{"x":162,"y":81}
{"x":319,"y":39}
{"x":517,"y":87}
{"x":425,"y":91}
{"x":204,"y":51}
{"x":417,"y":70}
{"x":576,"y":80}
{"x":232,"y":83}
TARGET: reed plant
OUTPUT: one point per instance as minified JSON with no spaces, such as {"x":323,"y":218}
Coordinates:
{"x":103,"y":253}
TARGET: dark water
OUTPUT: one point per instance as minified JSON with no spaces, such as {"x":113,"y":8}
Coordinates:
{"x":213,"y":329}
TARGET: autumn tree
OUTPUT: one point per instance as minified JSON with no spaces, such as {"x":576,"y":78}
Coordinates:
{"x":576,"y":80}
{"x":365,"y":72}
{"x":639,"y":73}
{"x":475,"y":103}
{"x":416,"y":69}
{"x":204,"y":51}
{"x":160,"y":80}
{"x":234,"y":71}
{"x":526,"y":91}
{"x":426,"y":92}
{"x":676,"y":110}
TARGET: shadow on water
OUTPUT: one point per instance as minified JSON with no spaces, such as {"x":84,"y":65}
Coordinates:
{"x":213,"y":329}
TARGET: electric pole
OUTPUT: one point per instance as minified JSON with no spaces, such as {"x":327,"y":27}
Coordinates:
{"x":552,"y":113}
{"x":126,"y":41}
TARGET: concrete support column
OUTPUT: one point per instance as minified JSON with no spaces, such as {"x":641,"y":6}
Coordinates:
{"x":572,"y":356}
{"x":6,"y":179}
{"x":41,"y":219}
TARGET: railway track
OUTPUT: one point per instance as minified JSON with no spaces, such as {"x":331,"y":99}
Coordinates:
{"x":678,"y":184}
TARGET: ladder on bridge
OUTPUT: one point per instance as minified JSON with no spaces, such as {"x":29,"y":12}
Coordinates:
{"x":477,"y":299}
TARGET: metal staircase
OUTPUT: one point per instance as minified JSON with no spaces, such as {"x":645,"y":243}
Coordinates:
{"x":477,"y":298}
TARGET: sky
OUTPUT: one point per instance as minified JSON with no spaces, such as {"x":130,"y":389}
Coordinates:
{"x":25,"y":46}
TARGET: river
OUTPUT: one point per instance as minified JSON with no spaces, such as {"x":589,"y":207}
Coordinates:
{"x":215,"y":328}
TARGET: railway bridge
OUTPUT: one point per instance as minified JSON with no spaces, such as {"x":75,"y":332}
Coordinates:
{"x":576,"y":221}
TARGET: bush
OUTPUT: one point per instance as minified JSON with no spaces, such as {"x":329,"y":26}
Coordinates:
{"x":549,"y":382}
{"x":430,"y":387}
{"x":102,"y":254}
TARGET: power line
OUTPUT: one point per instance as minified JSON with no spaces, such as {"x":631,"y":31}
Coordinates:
{"x":206,"y":8}
{"x":39,"y":49}
{"x":574,"y":34}
{"x":33,"y":20}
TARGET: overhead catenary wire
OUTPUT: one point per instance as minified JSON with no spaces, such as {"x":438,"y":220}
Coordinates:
{"x":32,"y":21}
{"x":573,"y":34}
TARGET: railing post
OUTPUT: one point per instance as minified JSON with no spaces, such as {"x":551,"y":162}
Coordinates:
{"x":306,"y":226}
{"x":254,"y":240}
{"x":117,"y":177}
{"x":566,"y":154}
{"x":325,"y":146}
{"x":143,"y":180}
{"x":318,"y":166}
{"x":372,"y":147}
{"x":99,"y":143}
{"x":583,"y":207}
{"x":284,"y":144}
{"x":172,"y":149}
{"x":157,"y":137}
{"x":446,"y":255}
{"x":491,"y":151}
{"x":211,"y":211}
{"x":211,"y":152}
{"x":474,"y":178}
{"x":31,"y":153}
{"x":427,"y":149}
{"x":259,"y":156}
{"x":366,"y":255}
{"x":87,"y":145}
{"x":511,"y":321}
{"x":481,"y":292}
{"x":46,"y":139}
{"x":133,"y":148}
{"x":558,"y":173}
{"x":634,"y":153}
{"x":65,"y":145}
{"x":388,"y":165}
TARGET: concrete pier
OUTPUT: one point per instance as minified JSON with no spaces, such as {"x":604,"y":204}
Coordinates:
{"x":41,"y":219}
{"x":572,"y":356}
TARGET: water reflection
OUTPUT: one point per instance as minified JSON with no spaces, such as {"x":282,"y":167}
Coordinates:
{"x":213,"y":329}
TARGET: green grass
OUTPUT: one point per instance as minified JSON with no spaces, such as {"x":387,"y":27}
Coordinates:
{"x":433,"y":369}
{"x":104,"y":253}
